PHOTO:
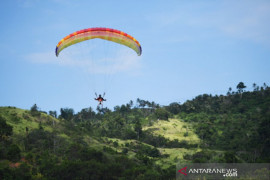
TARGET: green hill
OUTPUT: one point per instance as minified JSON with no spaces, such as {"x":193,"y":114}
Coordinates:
{"x":238,"y":123}
{"x":142,"y":141}
{"x":39,"y":136}
{"x":19,"y":119}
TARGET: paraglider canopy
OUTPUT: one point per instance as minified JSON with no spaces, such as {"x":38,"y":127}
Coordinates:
{"x":101,"y":33}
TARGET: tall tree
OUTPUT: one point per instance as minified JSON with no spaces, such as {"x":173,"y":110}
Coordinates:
{"x":229,"y":91}
{"x":34,"y":108}
{"x":138,"y":128}
{"x":241,"y":86}
{"x":255,"y":88}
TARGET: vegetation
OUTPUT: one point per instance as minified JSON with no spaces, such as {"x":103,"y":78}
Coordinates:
{"x":238,"y":123}
{"x":141,"y":140}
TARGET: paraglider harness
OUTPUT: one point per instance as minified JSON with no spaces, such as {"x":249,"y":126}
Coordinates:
{"x":100,"y":98}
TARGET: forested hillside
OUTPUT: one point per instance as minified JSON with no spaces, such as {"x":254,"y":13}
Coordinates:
{"x":238,"y":123}
{"x":137,"y":140}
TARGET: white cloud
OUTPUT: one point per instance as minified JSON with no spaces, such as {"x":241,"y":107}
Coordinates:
{"x":247,"y":20}
{"x":123,"y":61}
{"x":241,"y":19}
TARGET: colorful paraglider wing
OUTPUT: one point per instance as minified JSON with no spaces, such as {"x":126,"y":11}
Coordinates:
{"x":101,"y":33}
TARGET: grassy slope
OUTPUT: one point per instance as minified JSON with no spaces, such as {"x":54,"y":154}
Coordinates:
{"x":172,"y":129}
{"x":19,"y":119}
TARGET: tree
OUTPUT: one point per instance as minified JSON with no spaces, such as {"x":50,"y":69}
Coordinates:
{"x":255,"y":87}
{"x":162,"y":113}
{"x":265,"y":86}
{"x":5,"y":129}
{"x":138,"y":128}
{"x":35,"y":110}
{"x":229,"y":91}
{"x":40,"y":139}
{"x":67,"y":113}
{"x":124,"y":109}
{"x":102,"y":111}
{"x":142,"y":103}
{"x":241,"y":86}
{"x":13,"y":153}
{"x":130,"y":103}
{"x":85,"y":114}
{"x":230,"y":157}
{"x":174,"y":108}
{"x":53,"y":113}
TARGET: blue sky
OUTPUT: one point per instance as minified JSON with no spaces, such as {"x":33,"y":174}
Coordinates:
{"x":188,"y":48}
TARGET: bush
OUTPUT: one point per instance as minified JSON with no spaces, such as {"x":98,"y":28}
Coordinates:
{"x":162,"y":114}
{"x":115,"y":144}
{"x":125,"y":150}
{"x":13,"y":153}
{"x":5,"y":129}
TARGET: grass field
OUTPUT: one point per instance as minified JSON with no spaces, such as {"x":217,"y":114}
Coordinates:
{"x":174,"y":129}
